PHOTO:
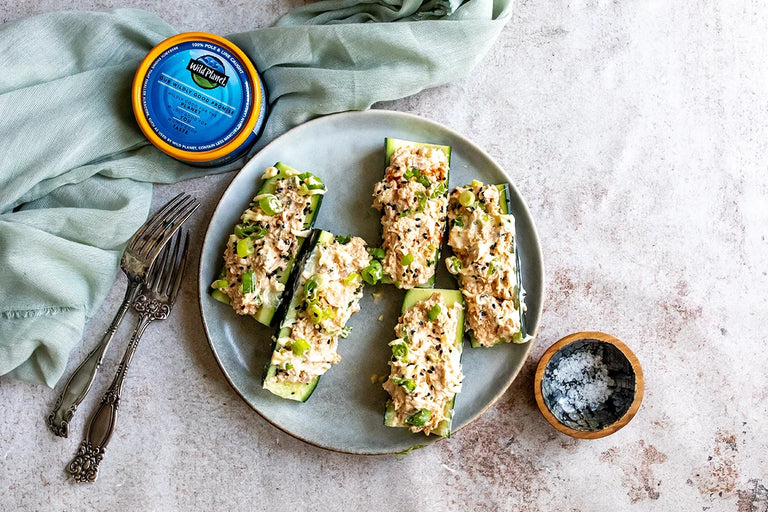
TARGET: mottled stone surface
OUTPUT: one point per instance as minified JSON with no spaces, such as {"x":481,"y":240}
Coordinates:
{"x":637,"y":131}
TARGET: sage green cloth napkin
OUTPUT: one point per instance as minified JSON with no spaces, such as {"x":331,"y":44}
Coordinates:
{"x":76,"y":174}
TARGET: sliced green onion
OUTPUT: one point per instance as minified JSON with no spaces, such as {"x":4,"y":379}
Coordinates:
{"x":430,"y":247}
{"x":372,"y":273}
{"x":400,"y":350}
{"x":419,"y":418}
{"x":288,"y":366}
{"x":485,"y":217}
{"x":439,"y":190}
{"x":404,"y":213}
{"x":408,"y":384}
{"x":253,"y":231}
{"x":345,"y":331}
{"x":220,"y":284}
{"x":406,"y":260}
{"x":244,"y":247}
{"x":315,"y":314}
{"x":432,"y":315}
{"x":467,"y":198}
{"x":422,"y":203}
{"x":344,"y":239}
{"x":424,"y":181}
{"x":517,"y":337}
{"x":492,"y":267}
{"x":410,"y":173}
{"x":248,"y":285}
{"x":299,"y":346}
{"x":329,"y":313}
{"x":377,"y":253}
{"x":458,"y":221}
{"x":353,"y":279}
{"x":453,"y":264}
{"x":270,"y":204}
{"x":310,"y":290}
{"x":476,"y":183}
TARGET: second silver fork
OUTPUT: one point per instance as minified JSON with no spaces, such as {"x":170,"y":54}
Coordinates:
{"x":140,"y":253}
{"x":154,"y":303}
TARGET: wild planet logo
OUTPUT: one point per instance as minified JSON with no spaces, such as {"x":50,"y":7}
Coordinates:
{"x":208,"y":72}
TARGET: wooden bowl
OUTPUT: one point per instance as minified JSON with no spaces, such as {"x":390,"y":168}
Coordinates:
{"x":589,"y":385}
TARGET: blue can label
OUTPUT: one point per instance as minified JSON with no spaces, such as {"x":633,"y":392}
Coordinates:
{"x":197,"y":96}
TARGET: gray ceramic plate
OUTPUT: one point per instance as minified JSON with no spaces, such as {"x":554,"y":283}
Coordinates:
{"x":345,"y":413}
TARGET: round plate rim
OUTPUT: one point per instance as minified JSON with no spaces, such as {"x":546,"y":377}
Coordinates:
{"x":536,"y":246}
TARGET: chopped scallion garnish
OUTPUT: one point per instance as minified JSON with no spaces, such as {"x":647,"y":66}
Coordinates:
{"x":419,"y":418}
{"x":299,"y":346}
{"x":372,"y":273}
{"x":407,"y":384}
{"x":249,"y":286}
{"x":466,"y":198}
{"x":377,"y":253}
{"x":270,"y":204}
{"x":244,"y":247}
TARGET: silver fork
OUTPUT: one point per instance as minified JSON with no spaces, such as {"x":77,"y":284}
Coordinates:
{"x":139,"y":254}
{"x":154,"y":303}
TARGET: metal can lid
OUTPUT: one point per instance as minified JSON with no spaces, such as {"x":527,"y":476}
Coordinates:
{"x":197,"y":97}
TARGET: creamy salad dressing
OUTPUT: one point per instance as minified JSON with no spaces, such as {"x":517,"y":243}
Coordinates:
{"x":411,"y":198}
{"x":272,"y":253}
{"x":426,"y":373}
{"x":482,"y":238}
{"x":309,"y":348}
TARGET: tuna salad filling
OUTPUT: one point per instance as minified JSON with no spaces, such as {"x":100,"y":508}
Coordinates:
{"x":482,"y":239}
{"x":329,"y":289}
{"x":412,"y":201}
{"x":266,"y":241}
{"x":425,"y":368}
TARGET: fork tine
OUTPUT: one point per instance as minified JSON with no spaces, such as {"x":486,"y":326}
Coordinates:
{"x":179,"y":271}
{"x":169,"y":263}
{"x":154,"y":218}
{"x":159,"y":239}
{"x":159,"y":228}
{"x":165,"y":264}
{"x":156,"y":271}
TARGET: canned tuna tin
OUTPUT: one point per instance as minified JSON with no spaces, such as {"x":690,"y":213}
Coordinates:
{"x":198,"y":98}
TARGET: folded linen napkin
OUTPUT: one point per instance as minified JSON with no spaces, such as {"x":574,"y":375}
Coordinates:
{"x":76,"y":173}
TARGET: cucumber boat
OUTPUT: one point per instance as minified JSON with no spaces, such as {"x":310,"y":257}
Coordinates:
{"x":325,"y":294}
{"x":259,"y":258}
{"x":425,"y":367}
{"x":486,"y":263}
{"x":412,"y":199}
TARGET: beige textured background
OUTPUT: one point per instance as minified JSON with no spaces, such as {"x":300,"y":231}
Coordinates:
{"x":637,"y":131}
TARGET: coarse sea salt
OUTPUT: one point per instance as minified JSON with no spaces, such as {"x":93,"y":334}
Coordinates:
{"x":584,"y":381}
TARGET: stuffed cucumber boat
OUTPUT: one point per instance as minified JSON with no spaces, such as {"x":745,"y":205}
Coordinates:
{"x":261,"y":252}
{"x":486,"y":263}
{"x":425,"y":367}
{"x":326,"y":294}
{"x":412,"y":199}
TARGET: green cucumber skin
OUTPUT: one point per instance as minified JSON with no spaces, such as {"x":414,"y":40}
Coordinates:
{"x":266,"y":315}
{"x":294,"y":391}
{"x":450,"y":297}
{"x":390,"y":146}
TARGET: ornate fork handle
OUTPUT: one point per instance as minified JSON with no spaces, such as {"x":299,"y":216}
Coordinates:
{"x":82,"y":378}
{"x":85,"y":466}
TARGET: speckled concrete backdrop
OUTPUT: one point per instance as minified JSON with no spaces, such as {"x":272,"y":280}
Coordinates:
{"x":637,"y":131}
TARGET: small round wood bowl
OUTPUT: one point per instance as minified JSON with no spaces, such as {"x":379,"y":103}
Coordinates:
{"x":619,"y":384}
